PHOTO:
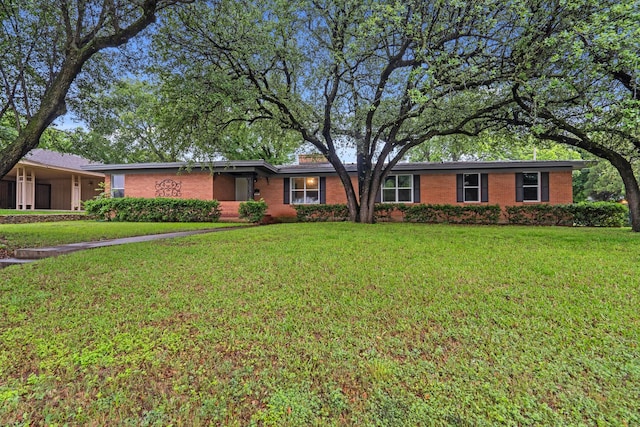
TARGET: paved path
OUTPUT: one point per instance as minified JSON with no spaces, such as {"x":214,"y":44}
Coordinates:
{"x":23,"y":256}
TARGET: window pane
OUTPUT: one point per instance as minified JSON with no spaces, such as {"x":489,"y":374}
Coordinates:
{"x":471,"y":179}
{"x":404,"y":195}
{"x":404,"y":181}
{"x":530,"y":178}
{"x":297,"y":197}
{"x":117,"y":193}
{"x":388,"y":195}
{"x":390,"y":182}
{"x":471,"y":195}
{"x":312,"y":197}
{"x":312,"y":183}
{"x":297,"y":183}
{"x":531,"y":193}
{"x":117,"y":181}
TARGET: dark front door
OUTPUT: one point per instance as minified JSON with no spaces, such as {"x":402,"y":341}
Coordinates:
{"x":43,"y":196}
{"x":7,"y":194}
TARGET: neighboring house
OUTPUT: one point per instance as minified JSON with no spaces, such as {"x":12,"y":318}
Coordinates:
{"x":505,"y":183}
{"x":46,"y":179}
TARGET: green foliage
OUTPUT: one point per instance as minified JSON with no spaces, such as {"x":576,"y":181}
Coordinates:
{"x":600,"y":214}
{"x":321,"y":213}
{"x":328,"y":325}
{"x":540,"y":214}
{"x":252,"y":210}
{"x":340,"y":212}
{"x":590,"y":214}
{"x":490,"y":146}
{"x":135,"y":209}
{"x":452,"y":214}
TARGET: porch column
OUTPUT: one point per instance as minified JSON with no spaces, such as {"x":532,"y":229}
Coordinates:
{"x":76,"y":190}
{"x":25,"y":189}
{"x":251,"y":187}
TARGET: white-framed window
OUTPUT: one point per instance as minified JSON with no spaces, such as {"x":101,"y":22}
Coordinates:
{"x":305,"y":190}
{"x":397,"y":188}
{"x":117,"y":185}
{"x":531,"y":186}
{"x":471,"y":187}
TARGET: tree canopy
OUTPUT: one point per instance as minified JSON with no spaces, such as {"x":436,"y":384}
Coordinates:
{"x":46,"y":47}
{"x":381,"y":76}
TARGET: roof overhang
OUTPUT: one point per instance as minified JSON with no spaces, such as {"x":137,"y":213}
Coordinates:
{"x":260,"y":167}
{"x":236,"y":167}
{"x":53,"y":171}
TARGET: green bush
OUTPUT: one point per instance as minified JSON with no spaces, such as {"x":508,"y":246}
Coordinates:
{"x":383,"y":211}
{"x":589,"y":214}
{"x":340,"y":212}
{"x":133,"y":209}
{"x":600,"y":214}
{"x":452,"y":214}
{"x":252,"y":210}
{"x":540,"y":214}
{"x":317,"y":213}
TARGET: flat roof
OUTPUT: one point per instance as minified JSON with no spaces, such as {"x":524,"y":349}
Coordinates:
{"x":264,"y":168}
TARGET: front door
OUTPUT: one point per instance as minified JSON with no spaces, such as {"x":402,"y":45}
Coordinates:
{"x":242,"y":189}
{"x":7,"y":194}
{"x":43,"y":196}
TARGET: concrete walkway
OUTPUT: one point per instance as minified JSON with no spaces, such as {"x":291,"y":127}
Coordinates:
{"x":22,"y":256}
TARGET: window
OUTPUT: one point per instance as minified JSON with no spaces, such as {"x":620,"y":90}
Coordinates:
{"x":305,"y":190}
{"x":117,"y":185}
{"x":397,"y":188}
{"x":471,"y":187}
{"x":531,"y":187}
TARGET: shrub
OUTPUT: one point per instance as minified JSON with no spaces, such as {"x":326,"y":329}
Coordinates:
{"x":252,"y":210}
{"x":452,"y":214}
{"x":596,"y":214}
{"x":133,"y":209}
{"x":316,"y":213}
{"x":340,"y":212}
{"x":600,"y":214}
{"x":383,"y":211}
{"x":539,"y":214}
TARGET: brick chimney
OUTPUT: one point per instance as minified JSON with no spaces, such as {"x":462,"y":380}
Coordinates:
{"x":311,"y":158}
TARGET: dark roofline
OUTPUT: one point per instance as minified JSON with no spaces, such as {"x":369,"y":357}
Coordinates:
{"x":502,"y":166}
{"x":235,"y":166}
{"x":260,"y":166}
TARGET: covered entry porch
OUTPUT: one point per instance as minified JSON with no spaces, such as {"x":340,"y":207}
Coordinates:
{"x":31,"y":186}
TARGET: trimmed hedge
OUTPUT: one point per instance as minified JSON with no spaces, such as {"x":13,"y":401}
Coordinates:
{"x":598,"y":214}
{"x":252,"y":210}
{"x":452,"y":214}
{"x":318,"y":213}
{"x":340,"y":212}
{"x":539,"y":214}
{"x":133,"y":209}
{"x":587,"y":214}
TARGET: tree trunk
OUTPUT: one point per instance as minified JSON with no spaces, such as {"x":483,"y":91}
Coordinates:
{"x":632,"y":192}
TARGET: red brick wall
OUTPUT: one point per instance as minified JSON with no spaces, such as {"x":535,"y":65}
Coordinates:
{"x":195,"y":185}
{"x":434,"y":188}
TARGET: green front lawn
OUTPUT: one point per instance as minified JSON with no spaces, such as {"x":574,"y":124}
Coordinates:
{"x":37,"y":235}
{"x":329,"y":324}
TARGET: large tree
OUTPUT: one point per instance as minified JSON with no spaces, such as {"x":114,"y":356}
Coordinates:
{"x":587,"y":93}
{"x":383,"y":76}
{"x":44,"y":47}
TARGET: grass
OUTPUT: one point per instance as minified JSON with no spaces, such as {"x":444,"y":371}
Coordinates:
{"x":35,"y":235}
{"x":329,"y":324}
